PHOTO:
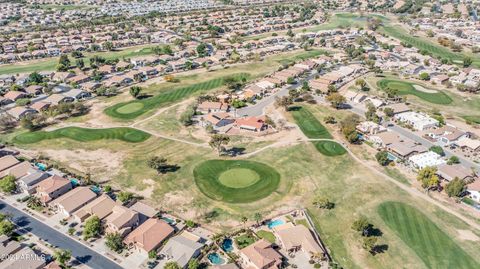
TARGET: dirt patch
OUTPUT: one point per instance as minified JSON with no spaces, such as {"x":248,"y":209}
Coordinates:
{"x":467,"y":235}
{"x":423,"y":89}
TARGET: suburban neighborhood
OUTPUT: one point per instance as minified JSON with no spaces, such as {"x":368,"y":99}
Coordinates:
{"x":249,"y":134}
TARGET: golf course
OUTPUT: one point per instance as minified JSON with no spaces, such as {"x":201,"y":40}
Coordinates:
{"x":84,"y":135}
{"x":409,"y":88}
{"x":133,"y":109}
{"x":433,"y":246}
{"x":329,"y":148}
{"x":236,"y":181}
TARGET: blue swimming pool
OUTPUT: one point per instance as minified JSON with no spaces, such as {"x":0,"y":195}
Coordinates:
{"x":169,"y":220}
{"x":75,"y":182}
{"x":41,"y":166}
{"x":96,"y":189}
{"x":227,"y":245}
{"x":272,"y":224}
{"x":215,"y":259}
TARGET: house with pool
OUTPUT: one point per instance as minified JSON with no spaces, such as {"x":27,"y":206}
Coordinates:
{"x":181,"y":249}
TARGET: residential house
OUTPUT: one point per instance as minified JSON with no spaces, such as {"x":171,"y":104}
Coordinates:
{"x":122,"y":220}
{"x":404,"y":148}
{"x":20,"y":112}
{"x":211,"y":107}
{"x":445,"y":135}
{"x":417,"y":121}
{"x":77,"y":94}
{"x":148,"y":236}
{"x":100,"y":207}
{"x":7,"y":162}
{"x":52,"y":188}
{"x":34,"y":89}
{"x":217,"y":120}
{"x":25,"y":263}
{"x":252,"y":124}
{"x":370,"y":128}
{"x":473,"y":190}
{"x":40,"y":106}
{"x":260,"y":255}
{"x":145,"y":211}
{"x":19,"y":170}
{"x":253,"y":91}
{"x":182,"y":248}
{"x":56,"y":99}
{"x":28,"y":183}
{"x":449,"y":172}
{"x":14,"y":95}
{"x":429,"y":158}
{"x":8,"y":247}
{"x":468,"y":144}
{"x":73,"y":200}
{"x":399,"y":108}
{"x":294,"y":238}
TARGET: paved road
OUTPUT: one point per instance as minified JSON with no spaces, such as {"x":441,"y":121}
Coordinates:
{"x":41,"y":230}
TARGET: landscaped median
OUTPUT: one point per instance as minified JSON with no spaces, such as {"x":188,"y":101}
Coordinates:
{"x":410,"y":88}
{"x":313,"y":129}
{"x":236,"y":181}
{"x":84,"y":135}
{"x":135,"y":108}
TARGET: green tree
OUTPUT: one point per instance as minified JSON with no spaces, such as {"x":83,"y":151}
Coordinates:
{"x":218,"y":141}
{"x":336,"y":100}
{"x":257,"y":217}
{"x":135,"y":91}
{"x":391,"y":92}
{"x":124,"y":196}
{"x":362,"y":225}
{"x":160,"y":164}
{"x":93,"y":228}
{"x":424,"y":76}
{"x":114,"y":241}
{"x":369,"y":243}
{"x":382,"y":158}
{"x":453,"y":160}
{"x":62,"y":256}
{"x":107,"y":45}
{"x":290,"y":80}
{"x":284,"y":101}
{"x":324,"y":203}
{"x":190,"y":223}
{"x":427,"y":176}
{"x":7,"y":184}
{"x":35,"y":78}
{"x":6,"y":226}
{"x":64,"y":60}
{"x":152,"y":254}
{"x":455,"y":188}
{"x":467,"y":61}
{"x":171,"y":265}
{"x":80,"y":63}
{"x":361,"y":83}
{"x":201,"y":49}
{"x":438,"y":150}
{"x":389,"y":111}
{"x":187,"y":115}
{"x":193,"y":264}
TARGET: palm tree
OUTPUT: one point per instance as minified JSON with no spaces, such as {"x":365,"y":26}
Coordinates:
{"x":258,"y":218}
{"x":244,"y":221}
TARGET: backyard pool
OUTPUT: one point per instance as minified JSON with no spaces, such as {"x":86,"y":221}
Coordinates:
{"x":75,"y":182}
{"x":215,"y":258}
{"x":227,"y":245}
{"x":41,"y":166}
{"x":169,"y":220}
{"x":272,"y":224}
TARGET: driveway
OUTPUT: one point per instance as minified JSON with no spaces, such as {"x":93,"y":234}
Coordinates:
{"x":82,"y":253}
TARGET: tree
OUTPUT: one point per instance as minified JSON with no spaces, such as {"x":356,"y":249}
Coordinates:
{"x":187,"y":115}
{"x":455,"y":188}
{"x":160,"y":164}
{"x":93,"y":228}
{"x":437,"y":149}
{"x":428,"y":178}
{"x":201,"y":49}
{"x":290,"y":80}
{"x":330,"y":119}
{"x":114,"y":241}
{"x":80,"y":63}
{"x":6,"y":226}
{"x":391,"y":92}
{"x":190,"y":223}
{"x":424,"y":76}
{"x":389,"y":111}
{"x":217,"y":142}
{"x":7,"y":123}
{"x":35,"y":78}
{"x":323,"y":203}
{"x":369,"y":243}
{"x":193,"y":264}
{"x":7,"y":184}
{"x":135,"y":91}
{"x":348,"y":127}
{"x":332,"y":88}
{"x":33,"y":121}
{"x":453,"y":160}
{"x":467,"y":61}
{"x":244,"y":220}
{"x":336,"y":100}
{"x":107,"y":45}
{"x":362,"y":225}
{"x":125,"y":196}
{"x":362,"y":84}
{"x":64,"y":60}
{"x":257,"y":217}
{"x":305,"y":86}
{"x":382,"y":158}
{"x":33,"y":202}
{"x":284,"y":101}
{"x":171,"y":265}
{"x":62,"y":256}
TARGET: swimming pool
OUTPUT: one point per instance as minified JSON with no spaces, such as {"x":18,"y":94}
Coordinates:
{"x":272,"y":224}
{"x":75,"y":182}
{"x":41,"y":166}
{"x":169,"y":220}
{"x":215,"y":258}
{"x":227,"y":245}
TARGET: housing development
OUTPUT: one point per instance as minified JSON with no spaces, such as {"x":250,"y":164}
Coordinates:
{"x":239,"y":134}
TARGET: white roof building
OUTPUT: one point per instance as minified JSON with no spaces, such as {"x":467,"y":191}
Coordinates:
{"x":417,"y":120}
{"x":425,"y":159}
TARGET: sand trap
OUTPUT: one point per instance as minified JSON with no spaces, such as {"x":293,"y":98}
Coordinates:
{"x":467,"y":235}
{"x":423,"y":89}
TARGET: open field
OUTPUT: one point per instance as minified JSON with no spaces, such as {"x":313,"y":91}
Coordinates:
{"x":236,"y":181}
{"x":431,"y":244}
{"x":309,"y":124}
{"x":84,"y":135}
{"x":329,"y":148}
{"x":407,"y":88}
{"x":49,"y":64}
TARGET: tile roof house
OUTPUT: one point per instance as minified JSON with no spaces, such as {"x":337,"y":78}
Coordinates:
{"x":209,"y":107}
{"x":449,"y":172}
{"x":8,"y":247}
{"x":14,"y":95}
{"x":73,"y":200}
{"x":28,"y":183}
{"x":122,"y":220}
{"x":19,"y":170}
{"x":19,"y":112}
{"x":297,"y":237}
{"x":181,"y":249}
{"x":100,"y":207}
{"x":254,"y":124}
{"x":23,"y":263}
{"x":52,"y":188}
{"x":474,"y":190}
{"x":7,"y":162}
{"x":260,"y":255}
{"x":149,"y":235}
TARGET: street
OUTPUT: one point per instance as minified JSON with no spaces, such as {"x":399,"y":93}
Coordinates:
{"x":53,"y":237}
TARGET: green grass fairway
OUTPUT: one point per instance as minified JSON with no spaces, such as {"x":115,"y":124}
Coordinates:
{"x":405,"y":88}
{"x":238,"y":178}
{"x":309,"y":125}
{"x":329,"y":148}
{"x":474,"y":119}
{"x":210,"y":177}
{"x":431,"y":244}
{"x":135,"y":108}
{"x":84,"y":135}
{"x":435,"y":50}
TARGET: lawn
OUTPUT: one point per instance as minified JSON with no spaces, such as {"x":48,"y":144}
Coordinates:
{"x":309,"y":124}
{"x":269,"y":236}
{"x":84,"y":135}
{"x":474,"y":119}
{"x":236,"y":181}
{"x":244,"y":241}
{"x":132,"y":109}
{"x":430,"y":243}
{"x":407,"y":88}
{"x":329,"y":148}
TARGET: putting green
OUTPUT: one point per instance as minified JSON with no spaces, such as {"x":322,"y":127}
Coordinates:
{"x":407,"y":88}
{"x":130,"y":108}
{"x":329,"y":148}
{"x":238,"y":178}
{"x":236,"y":181}
{"x":84,"y":135}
